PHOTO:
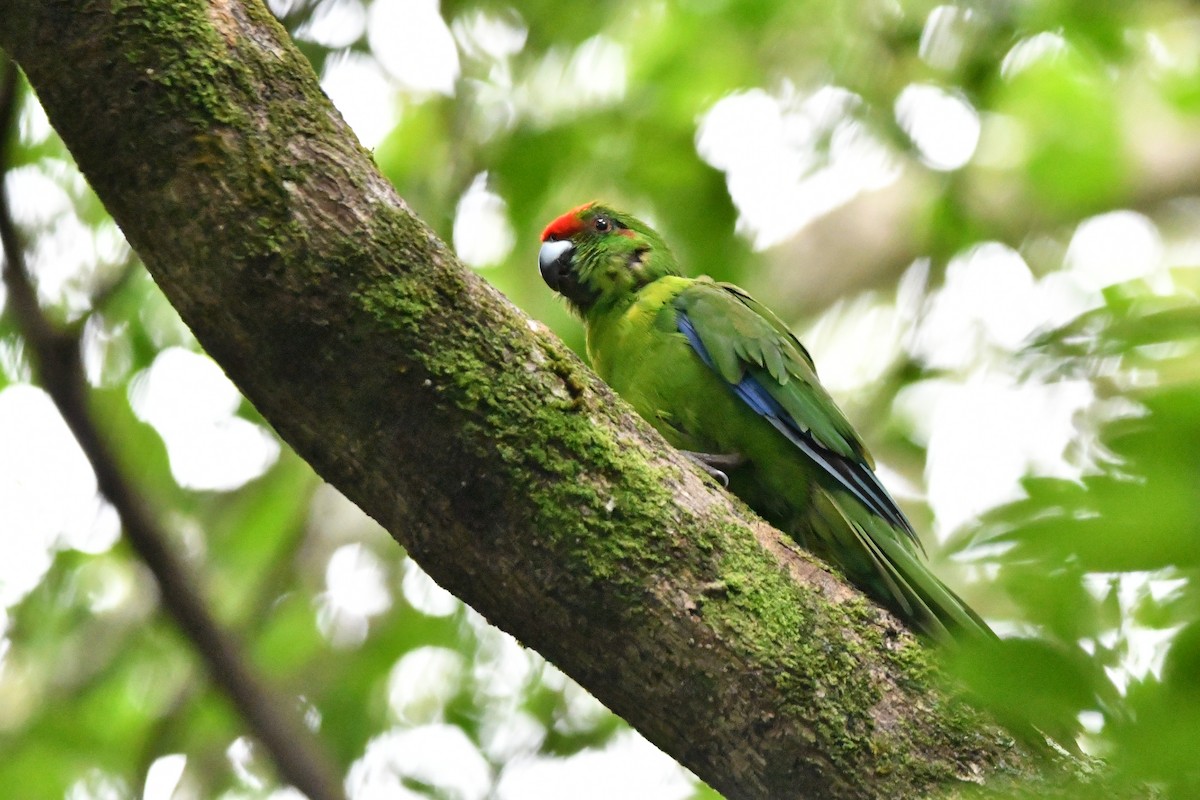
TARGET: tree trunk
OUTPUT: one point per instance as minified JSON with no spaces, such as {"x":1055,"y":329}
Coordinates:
{"x":512,"y":475}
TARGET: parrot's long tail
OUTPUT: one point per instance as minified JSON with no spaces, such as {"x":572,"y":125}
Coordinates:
{"x":885,"y":562}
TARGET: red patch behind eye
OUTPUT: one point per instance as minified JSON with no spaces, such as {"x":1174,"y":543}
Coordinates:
{"x":567,"y":225}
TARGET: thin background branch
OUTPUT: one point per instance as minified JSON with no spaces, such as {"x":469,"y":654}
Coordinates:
{"x":274,"y":720}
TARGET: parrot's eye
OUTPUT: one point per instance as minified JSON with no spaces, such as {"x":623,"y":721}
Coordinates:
{"x":602,"y":224}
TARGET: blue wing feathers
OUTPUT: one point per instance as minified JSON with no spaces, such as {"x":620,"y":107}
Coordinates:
{"x":854,"y":477}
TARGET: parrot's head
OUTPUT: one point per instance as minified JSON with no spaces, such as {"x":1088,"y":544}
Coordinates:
{"x":593,"y":255}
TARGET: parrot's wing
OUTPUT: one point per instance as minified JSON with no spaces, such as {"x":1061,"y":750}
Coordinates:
{"x":770,"y":371}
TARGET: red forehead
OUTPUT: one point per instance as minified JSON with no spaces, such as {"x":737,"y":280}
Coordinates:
{"x":567,"y":225}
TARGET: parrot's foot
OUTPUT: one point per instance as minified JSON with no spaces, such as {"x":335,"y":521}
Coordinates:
{"x":713,"y":463}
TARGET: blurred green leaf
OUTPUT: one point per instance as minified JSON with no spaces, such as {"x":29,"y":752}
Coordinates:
{"x":1028,"y":682}
{"x":1154,"y":740}
{"x":142,"y":452}
{"x":1068,"y":106}
{"x":253,"y":535}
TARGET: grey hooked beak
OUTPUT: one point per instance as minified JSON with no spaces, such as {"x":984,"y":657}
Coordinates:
{"x":554,"y":262}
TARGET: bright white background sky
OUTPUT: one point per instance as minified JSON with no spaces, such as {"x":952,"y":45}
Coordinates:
{"x":991,"y":301}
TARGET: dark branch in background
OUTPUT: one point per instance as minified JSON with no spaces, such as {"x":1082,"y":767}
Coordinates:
{"x":277,"y":724}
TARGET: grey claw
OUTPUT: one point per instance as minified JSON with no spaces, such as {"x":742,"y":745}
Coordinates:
{"x":709,"y":462}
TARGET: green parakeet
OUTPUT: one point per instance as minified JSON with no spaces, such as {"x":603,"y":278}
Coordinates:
{"x":722,"y":378}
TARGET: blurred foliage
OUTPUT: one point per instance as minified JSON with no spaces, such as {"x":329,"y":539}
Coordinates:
{"x":1110,"y":560}
{"x":1081,"y":108}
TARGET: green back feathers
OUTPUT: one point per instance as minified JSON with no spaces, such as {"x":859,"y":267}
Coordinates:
{"x":741,"y":335}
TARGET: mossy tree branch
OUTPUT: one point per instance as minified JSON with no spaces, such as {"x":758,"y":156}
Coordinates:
{"x":516,"y":479}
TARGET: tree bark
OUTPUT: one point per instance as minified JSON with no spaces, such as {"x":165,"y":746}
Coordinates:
{"x":512,"y":475}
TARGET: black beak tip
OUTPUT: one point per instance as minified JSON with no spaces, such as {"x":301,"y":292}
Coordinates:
{"x":552,"y":274}
{"x":554,"y":262}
